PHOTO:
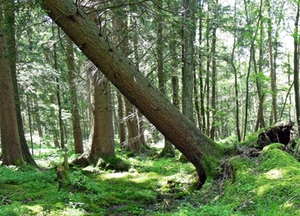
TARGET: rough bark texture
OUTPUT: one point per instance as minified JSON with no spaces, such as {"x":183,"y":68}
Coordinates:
{"x":12,"y":54}
{"x":197,"y":147}
{"x":102,"y":133}
{"x":11,"y":150}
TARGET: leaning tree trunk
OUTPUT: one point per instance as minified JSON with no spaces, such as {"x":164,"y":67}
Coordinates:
{"x":197,"y":147}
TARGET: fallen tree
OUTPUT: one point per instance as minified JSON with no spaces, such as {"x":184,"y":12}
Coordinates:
{"x":201,"y":151}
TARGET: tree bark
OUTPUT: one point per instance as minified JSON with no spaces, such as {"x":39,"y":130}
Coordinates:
{"x":198,"y":148}
{"x":271,"y":64}
{"x":121,"y":116}
{"x":102,"y":133}
{"x":213,"y":80}
{"x":58,"y":96}
{"x":189,"y":29}
{"x":12,"y":55}
{"x":11,"y":149}
{"x":296,"y":69}
{"x":168,"y":150}
{"x":77,"y":135}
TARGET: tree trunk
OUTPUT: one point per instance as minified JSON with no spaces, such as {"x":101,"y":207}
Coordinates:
{"x":207,"y":79}
{"x":121,"y":116}
{"x":202,"y":124}
{"x":102,"y":133}
{"x":213,"y":81}
{"x":197,"y":147}
{"x":168,"y":150}
{"x":11,"y":149}
{"x":296,"y":69}
{"x":132,"y":122}
{"x":189,"y":29}
{"x":236,"y":87}
{"x":77,"y":135}
{"x":271,"y":65}
{"x":60,"y":120}
{"x":12,"y":55}
{"x":260,"y":121}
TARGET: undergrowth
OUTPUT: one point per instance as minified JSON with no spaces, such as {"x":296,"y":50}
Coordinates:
{"x":263,"y":185}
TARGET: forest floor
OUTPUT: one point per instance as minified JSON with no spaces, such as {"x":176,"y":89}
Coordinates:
{"x":268,"y":184}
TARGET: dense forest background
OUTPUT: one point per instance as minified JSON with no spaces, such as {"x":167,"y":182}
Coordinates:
{"x":239,"y":77}
{"x":231,"y":67}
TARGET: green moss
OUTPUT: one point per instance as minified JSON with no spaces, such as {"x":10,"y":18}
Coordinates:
{"x":268,"y":184}
{"x":19,"y":162}
{"x":211,"y":160}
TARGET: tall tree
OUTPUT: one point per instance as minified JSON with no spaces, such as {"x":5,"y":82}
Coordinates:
{"x":58,"y":92}
{"x":188,"y":37}
{"x":9,"y":27}
{"x":10,"y":141}
{"x":201,"y":151}
{"x":253,"y":32}
{"x":202,"y":124}
{"x":260,"y":120}
{"x":168,"y":150}
{"x":271,"y":63}
{"x":102,"y":134}
{"x":214,"y":75}
{"x":296,"y":67}
{"x":236,"y":87}
{"x":77,"y":135}
{"x":132,"y":121}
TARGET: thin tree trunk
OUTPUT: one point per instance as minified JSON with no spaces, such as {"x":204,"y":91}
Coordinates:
{"x":60,"y":121}
{"x":207,"y":80}
{"x":121,"y":116}
{"x":30,"y":121}
{"x":237,"y":107}
{"x":168,"y":150}
{"x":202,"y":124}
{"x":197,"y":104}
{"x":296,"y":69}
{"x":77,"y":134}
{"x":252,"y":51}
{"x":260,"y":122}
{"x":201,"y":151}
{"x":134,"y":143}
{"x":213,"y":81}
{"x":271,"y":64}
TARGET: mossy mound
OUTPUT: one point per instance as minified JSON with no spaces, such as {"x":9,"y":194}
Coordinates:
{"x":113,"y":163}
{"x":265,"y":185}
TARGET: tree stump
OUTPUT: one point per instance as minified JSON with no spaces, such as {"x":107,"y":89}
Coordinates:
{"x":281,"y":132}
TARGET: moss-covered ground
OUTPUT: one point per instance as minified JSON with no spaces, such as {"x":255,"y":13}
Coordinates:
{"x":265,"y":185}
